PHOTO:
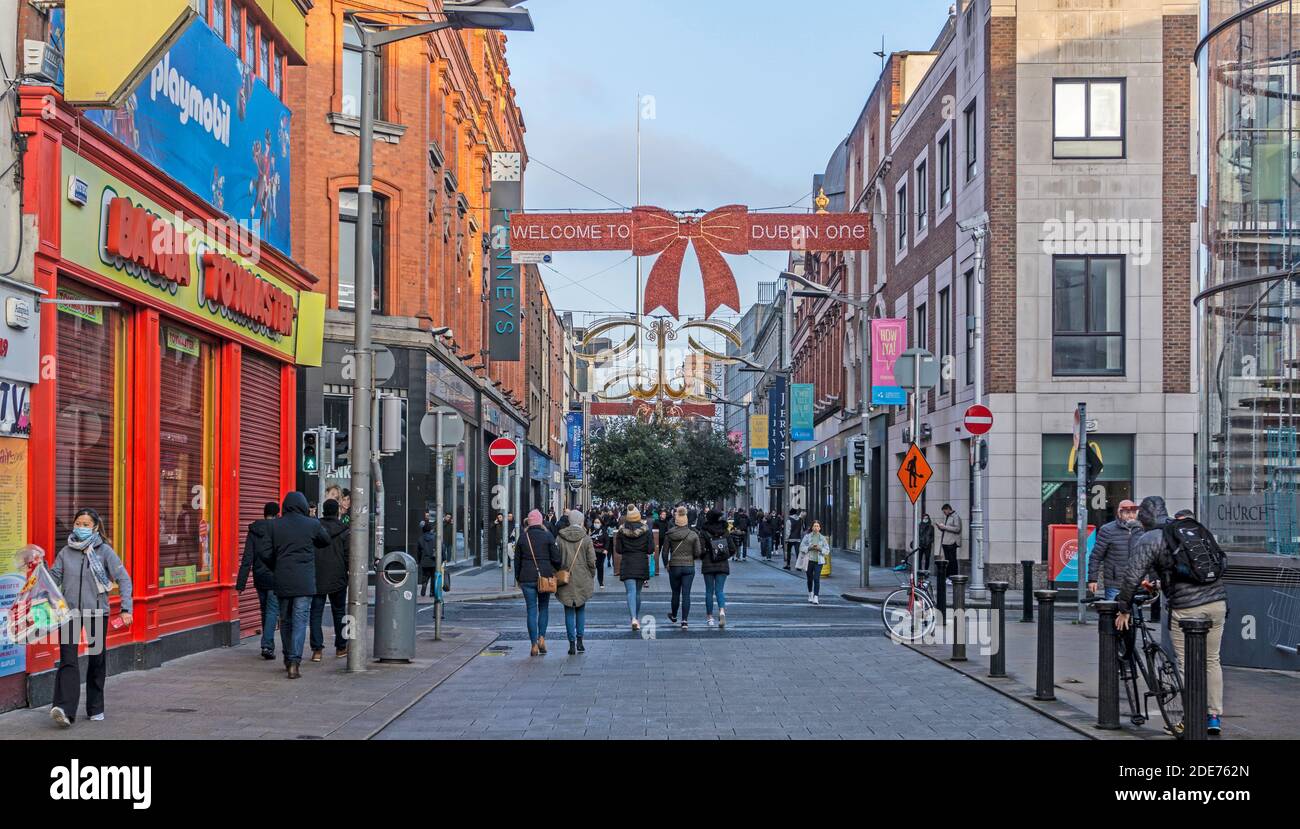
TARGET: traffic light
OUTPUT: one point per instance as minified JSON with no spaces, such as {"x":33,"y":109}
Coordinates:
{"x":310,"y":452}
{"x":342,"y":447}
{"x":859,"y":453}
{"x":392,"y":419}
{"x":984,"y":454}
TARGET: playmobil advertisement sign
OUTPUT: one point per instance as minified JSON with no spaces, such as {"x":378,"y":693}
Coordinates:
{"x":207,"y":120}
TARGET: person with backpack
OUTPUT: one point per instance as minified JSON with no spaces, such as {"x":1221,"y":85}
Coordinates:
{"x":633,"y":550}
{"x":715,"y":550}
{"x":1189,"y":563}
{"x":680,"y":551}
{"x":1110,"y":555}
{"x":331,"y":584}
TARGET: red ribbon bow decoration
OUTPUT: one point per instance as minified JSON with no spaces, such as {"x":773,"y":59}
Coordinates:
{"x":656,"y":231}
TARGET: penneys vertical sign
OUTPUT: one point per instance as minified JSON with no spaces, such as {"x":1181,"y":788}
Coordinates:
{"x":505,"y":282}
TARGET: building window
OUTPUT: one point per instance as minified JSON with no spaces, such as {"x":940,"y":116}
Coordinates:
{"x":250,"y":42}
{"x":921,"y":335}
{"x":236,"y":26}
{"x":972,"y":143}
{"x":1088,"y":118}
{"x":347,"y":249}
{"x":945,"y":339}
{"x":277,"y":67}
{"x":187,"y":457}
{"x":970,"y":327}
{"x":91,"y":434}
{"x":218,"y":19}
{"x":922,"y":198}
{"x":263,"y":57}
{"x":352,"y":55}
{"x":945,"y":171}
{"x":902,"y":218}
{"x":1088,"y":315}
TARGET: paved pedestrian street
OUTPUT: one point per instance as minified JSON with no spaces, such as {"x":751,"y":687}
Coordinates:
{"x":782,"y":669}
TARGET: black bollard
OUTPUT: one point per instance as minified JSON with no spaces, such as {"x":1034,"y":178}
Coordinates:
{"x":1046,"y":690}
{"x":959,"y":618}
{"x":1027,"y":584}
{"x":941,"y":589}
{"x":998,"y":659}
{"x":1195,"y":690}
{"x":1107,"y":665}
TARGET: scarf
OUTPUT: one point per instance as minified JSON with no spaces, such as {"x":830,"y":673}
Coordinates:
{"x":88,"y":548}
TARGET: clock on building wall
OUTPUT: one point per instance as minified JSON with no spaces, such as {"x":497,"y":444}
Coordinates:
{"x":507,"y":166}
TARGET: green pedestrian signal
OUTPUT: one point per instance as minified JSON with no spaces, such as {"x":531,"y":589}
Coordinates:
{"x":310,"y":452}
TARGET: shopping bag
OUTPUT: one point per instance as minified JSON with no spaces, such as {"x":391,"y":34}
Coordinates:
{"x":38,"y":608}
{"x":801,"y":563}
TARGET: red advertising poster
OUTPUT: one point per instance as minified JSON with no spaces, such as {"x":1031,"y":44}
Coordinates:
{"x":1062,"y":545}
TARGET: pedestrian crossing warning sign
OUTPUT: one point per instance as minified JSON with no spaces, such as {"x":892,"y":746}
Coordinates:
{"x":915,"y":473}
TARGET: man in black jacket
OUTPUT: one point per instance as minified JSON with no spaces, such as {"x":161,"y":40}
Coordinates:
{"x":1115,"y":543}
{"x":331,"y":584}
{"x":794,"y":536}
{"x":257,"y":549}
{"x":295,"y":538}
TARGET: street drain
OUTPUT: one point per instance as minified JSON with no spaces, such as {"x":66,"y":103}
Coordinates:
{"x":180,"y":710}
{"x":495,"y":650}
{"x":309,"y":737}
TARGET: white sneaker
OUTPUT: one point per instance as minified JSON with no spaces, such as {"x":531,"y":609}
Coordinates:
{"x":710,"y":621}
{"x":722,"y":618}
{"x":816,"y":600}
{"x":57,"y":714}
{"x":810,"y":598}
{"x":98,"y":718}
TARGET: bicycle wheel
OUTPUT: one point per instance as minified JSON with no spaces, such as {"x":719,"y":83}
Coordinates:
{"x":1128,"y":679}
{"x":909,"y":616}
{"x":1168,"y":690}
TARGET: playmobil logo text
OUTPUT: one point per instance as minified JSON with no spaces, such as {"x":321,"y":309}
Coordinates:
{"x":210,"y":111}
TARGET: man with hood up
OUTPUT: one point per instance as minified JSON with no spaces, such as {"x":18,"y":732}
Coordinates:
{"x":331,"y":583}
{"x":1186,"y":599}
{"x":257,"y":549}
{"x":295,"y":538}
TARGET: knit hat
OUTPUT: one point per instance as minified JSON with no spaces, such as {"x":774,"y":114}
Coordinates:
{"x":330,"y":509}
{"x":633,"y":515}
{"x":535,"y":519}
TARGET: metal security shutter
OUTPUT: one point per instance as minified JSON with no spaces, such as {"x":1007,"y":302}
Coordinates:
{"x":259,"y":462}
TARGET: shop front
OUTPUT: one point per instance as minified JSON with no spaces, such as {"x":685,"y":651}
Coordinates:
{"x":822,"y":472}
{"x":166,"y":400}
{"x":1248,"y":464}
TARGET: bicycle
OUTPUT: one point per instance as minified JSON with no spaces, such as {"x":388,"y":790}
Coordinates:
{"x":1162,"y":678}
{"x":909,"y":613}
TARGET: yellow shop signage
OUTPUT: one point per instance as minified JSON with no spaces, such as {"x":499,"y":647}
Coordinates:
{"x":126,"y":237}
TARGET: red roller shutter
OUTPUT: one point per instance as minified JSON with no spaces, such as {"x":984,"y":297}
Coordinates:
{"x":259,"y":461}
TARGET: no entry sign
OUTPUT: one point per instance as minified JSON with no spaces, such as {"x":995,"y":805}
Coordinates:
{"x":979,"y":420}
{"x":503,"y":452}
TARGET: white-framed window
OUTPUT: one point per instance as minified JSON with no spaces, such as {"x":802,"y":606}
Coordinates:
{"x":922,"y":199}
{"x":943,"y":164}
{"x":970,"y":122}
{"x":1088,"y":118}
{"x":901,"y":219}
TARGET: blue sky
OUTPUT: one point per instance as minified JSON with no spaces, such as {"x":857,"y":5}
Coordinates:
{"x":751,"y":97}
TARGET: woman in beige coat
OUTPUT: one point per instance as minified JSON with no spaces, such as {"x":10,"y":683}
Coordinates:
{"x":579,"y":557}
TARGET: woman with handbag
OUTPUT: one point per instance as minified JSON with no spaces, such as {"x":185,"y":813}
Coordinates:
{"x":576,"y":579}
{"x":86,"y":570}
{"x":680,"y":551}
{"x":536,"y":559}
{"x":633,"y":550}
{"x":814,"y":549}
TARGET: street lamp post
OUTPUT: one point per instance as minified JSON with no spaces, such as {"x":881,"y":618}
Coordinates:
{"x":460,"y":14}
{"x":979,"y":229}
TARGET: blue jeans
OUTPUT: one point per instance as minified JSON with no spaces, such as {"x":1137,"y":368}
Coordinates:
{"x":270,"y":606}
{"x":1112,"y":593}
{"x":681,"y":579}
{"x":539,"y":611}
{"x":575,"y":621}
{"x":713,"y":586}
{"x":633,"y":587}
{"x":814,"y":577}
{"x":293,"y":626}
{"x":767,"y":545}
{"x":338,"y":600}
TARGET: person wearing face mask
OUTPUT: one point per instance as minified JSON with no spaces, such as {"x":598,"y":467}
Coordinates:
{"x":925,"y":543}
{"x":86,"y":570}
{"x":599,"y":540}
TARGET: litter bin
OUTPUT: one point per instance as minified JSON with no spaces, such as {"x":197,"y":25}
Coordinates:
{"x":395,"y":606}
